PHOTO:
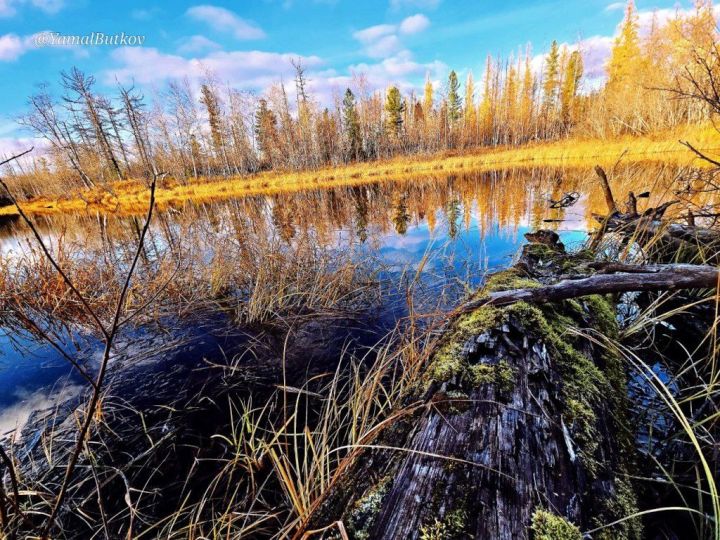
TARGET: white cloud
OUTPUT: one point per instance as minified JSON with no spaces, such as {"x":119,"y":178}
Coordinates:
{"x":414,"y":24}
{"x":368,"y":35}
{"x":243,"y":69}
{"x":258,"y":70}
{"x":12,"y":47}
{"x":384,"y":47}
{"x":8,"y":8}
{"x":382,"y":41}
{"x":224,"y":20}
{"x":196,"y":44}
{"x":400,"y":70}
{"x":615,"y":6}
{"x":595,"y":51}
{"x":397,"y":69}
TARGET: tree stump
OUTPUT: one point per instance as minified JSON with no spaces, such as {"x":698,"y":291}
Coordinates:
{"x":522,"y":433}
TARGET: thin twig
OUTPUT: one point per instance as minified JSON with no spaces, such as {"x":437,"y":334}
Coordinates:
{"x":94,"y":400}
{"x":699,"y":154}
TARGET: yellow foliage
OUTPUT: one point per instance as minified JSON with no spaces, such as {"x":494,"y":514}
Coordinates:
{"x":131,"y":196}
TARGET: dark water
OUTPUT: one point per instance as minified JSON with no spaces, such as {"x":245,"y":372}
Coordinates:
{"x":441,"y":237}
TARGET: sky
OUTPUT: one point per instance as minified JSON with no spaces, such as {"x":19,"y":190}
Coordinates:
{"x":250,"y":44}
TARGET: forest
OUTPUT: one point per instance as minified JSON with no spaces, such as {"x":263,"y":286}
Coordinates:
{"x":96,"y":138}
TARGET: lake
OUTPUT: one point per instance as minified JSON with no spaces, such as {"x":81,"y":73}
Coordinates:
{"x":373,"y":253}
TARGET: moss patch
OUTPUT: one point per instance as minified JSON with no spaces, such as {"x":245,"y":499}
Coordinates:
{"x":622,"y":505}
{"x":450,"y":527}
{"x":448,"y":362}
{"x":365,"y":510}
{"x":508,"y":280}
{"x":501,"y":374}
{"x":548,"y":526}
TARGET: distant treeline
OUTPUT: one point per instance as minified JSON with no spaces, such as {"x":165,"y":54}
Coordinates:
{"x":96,"y":138}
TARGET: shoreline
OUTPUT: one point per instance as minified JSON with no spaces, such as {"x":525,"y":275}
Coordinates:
{"x":130,"y":197}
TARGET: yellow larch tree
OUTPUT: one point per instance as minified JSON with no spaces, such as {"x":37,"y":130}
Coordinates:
{"x":470,"y":112}
{"x":527,"y":98}
{"x":485,"y":111}
{"x":572,"y":76}
{"x":509,"y":102}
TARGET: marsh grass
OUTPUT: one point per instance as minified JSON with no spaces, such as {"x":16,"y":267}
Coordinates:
{"x":256,"y":281}
{"x":283,"y":456}
{"x":669,"y":344}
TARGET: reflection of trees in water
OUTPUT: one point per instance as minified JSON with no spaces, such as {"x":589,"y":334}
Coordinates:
{"x":453,"y":215}
{"x":401,"y":218}
{"x":283,"y":220}
{"x":359,"y":195}
{"x":498,"y":200}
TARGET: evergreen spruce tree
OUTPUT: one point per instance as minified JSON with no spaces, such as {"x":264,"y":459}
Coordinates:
{"x":454,"y":106}
{"x":351,"y":125}
{"x":394,"y":109}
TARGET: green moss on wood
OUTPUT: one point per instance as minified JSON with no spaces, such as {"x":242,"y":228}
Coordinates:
{"x":591,"y":379}
{"x":450,"y":527}
{"x":623,"y":504}
{"x":365,"y":510}
{"x":448,"y":361}
{"x":508,"y":280}
{"x":548,"y":526}
{"x":501,"y":374}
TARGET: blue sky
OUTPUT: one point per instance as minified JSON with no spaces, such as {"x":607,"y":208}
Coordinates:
{"x":249,"y":44}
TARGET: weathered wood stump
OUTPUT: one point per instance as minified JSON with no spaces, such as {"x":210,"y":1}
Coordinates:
{"x":522,"y":432}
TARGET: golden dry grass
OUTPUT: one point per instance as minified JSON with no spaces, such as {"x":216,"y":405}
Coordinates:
{"x":131,"y":196}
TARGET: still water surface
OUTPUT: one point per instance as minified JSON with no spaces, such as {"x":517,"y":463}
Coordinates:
{"x":443,"y":235}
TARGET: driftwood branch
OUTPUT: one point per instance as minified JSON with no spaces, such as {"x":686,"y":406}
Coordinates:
{"x":609,"y":199}
{"x":615,"y":278}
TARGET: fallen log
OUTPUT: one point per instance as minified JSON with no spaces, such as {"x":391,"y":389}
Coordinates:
{"x":651,"y":226}
{"x":626,"y":278}
{"x":523,"y":431}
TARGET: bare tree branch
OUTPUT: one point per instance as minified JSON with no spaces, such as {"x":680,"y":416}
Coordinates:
{"x":109,"y":338}
{"x":614,"y":279}
{"x":699,"y":154}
